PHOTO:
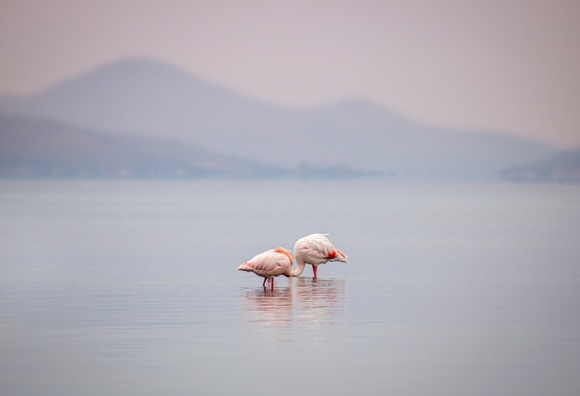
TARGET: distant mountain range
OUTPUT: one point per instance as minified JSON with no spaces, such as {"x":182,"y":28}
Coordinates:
{"x":560,"y":168}
{"x":47,"y":148}
{"x":153,"y":100}
{"x":43,"y":148}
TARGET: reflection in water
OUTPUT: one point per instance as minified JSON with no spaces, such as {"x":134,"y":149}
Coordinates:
{"x":320,"y":302}
{"x":306,"y":301}
{"x":270,"y":308}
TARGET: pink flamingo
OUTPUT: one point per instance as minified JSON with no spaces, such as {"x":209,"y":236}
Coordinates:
{"x":315,"y":249}
{"x":271,"y":263}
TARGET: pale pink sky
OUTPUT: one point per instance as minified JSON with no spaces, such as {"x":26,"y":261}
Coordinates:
{"x":506,"y":65}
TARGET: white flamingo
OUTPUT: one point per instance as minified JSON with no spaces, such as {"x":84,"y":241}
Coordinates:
{"x":315,"y":249}
{"x":269,"y":264}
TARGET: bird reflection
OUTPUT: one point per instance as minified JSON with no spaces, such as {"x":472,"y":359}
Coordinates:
{"x":269,"y":308}
{"x":319,"y":302}
{"x":305,"y":302}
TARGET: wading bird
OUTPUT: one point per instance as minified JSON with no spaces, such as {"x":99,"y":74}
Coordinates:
{"x":315,"y":249}
{"x":271,"y":263}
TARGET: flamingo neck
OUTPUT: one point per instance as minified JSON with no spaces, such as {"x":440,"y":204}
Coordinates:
{"x":299,"y":267}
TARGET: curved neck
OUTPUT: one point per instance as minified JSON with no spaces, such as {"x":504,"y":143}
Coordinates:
{"x":299,"y":267}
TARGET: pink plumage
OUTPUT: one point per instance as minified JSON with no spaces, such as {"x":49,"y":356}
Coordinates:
{"x":315,"y":249}
{"x":270,"y":264}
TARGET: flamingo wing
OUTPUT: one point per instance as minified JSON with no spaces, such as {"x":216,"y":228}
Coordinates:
{"x":268,"y":264}
{"x":316,"y":249}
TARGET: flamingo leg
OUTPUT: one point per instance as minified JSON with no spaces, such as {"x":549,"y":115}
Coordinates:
{"x":264,"y":283}
{"x":272,"y":283}
{"x":315,"y":270}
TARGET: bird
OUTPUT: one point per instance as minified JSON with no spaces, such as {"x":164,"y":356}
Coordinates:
{"x":270,"y":264}
{"x":315,"y":249}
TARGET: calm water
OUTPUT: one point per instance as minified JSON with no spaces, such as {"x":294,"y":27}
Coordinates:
{"x":130,"y":288}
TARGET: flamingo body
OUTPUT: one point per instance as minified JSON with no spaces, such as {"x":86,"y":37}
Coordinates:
{"x":315,"y":249}
{"x":270,"y":264}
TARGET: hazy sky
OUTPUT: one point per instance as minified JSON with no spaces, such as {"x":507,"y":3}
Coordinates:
{"x":507,"y":65}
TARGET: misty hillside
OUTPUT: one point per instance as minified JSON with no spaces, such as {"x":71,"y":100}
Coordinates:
{"x":155,"y":99}
{"x":45,"y":148}
{"x":560,"y":168}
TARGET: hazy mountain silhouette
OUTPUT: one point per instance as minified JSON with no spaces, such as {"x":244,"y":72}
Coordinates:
{"x":563,"y":167}
{"x":46,"y":148}
{"x":155,"y":99}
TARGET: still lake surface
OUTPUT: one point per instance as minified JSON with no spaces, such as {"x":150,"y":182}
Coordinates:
{"x":131,"y":288}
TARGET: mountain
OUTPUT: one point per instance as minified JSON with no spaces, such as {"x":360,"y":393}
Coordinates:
{"x":563,"y":167}
{"x":46,"y":148}
{"x":142,"y":96}
{"x":149,"y":98}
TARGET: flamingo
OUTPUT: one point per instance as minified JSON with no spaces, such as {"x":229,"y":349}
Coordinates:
{"x":315,"y":249}
{"x":269,"y":264}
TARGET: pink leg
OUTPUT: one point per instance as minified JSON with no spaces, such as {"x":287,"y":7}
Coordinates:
{"x":315,"y":269}
{"x":272,"y":280}
{"x":264,"y":283}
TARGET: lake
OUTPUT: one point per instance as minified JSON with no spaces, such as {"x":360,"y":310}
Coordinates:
{"x":131,"y":288}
